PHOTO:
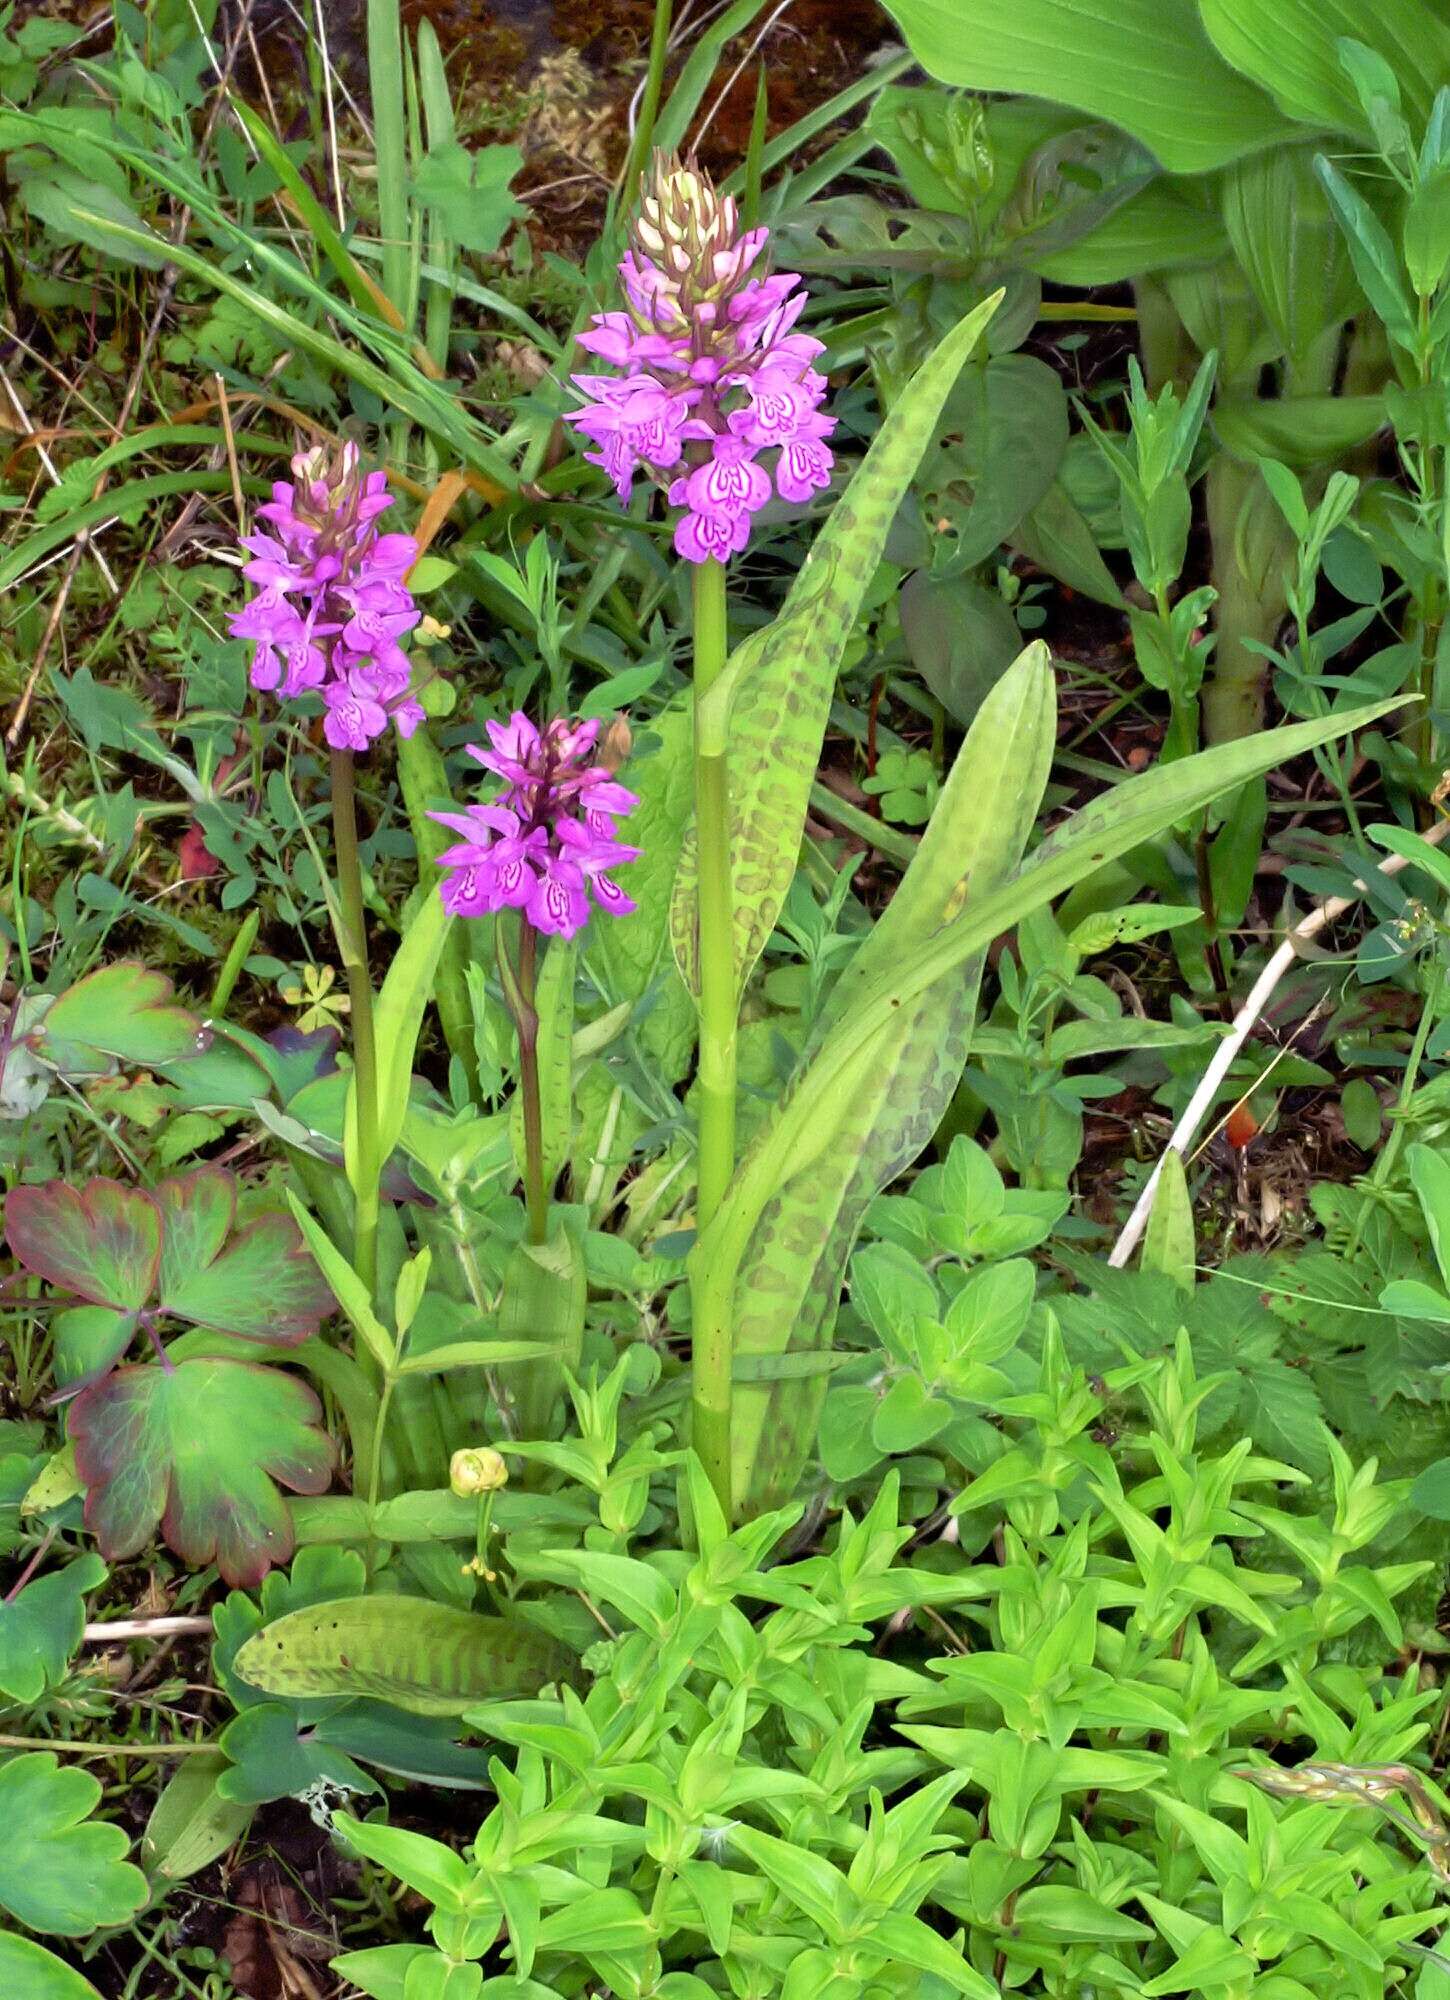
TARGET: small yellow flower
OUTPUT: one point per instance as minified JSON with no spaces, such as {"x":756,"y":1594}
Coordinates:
{"x":313,"y":993}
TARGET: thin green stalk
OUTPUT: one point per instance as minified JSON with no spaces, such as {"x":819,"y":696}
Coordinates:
{"x":649,"y":105}
{"x":718,"y":1008}
{"x":364,"y":1055}
{"x":520,"y":987}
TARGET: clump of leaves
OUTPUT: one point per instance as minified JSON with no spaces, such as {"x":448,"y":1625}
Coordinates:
{"x":196,"y":1440}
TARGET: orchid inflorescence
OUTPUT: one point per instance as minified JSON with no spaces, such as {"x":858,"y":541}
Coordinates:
{"x":331,"y":603}
{"x":545,"y":843}
{"x":715,"y":372}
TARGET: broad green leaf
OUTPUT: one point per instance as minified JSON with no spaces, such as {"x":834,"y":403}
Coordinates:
{"x":194,"y":1449}
{"x":554,"y":1005}
{"x":634,"y":950}
{"x":1168,"y":1241}
{"x":1288,"y":246}
{"x":1002,"y":436}
{"x":398,"y":1018}
{"x":1162,"y":226}
{"x":833,"y":1093}
{"x":428,"y":1658}
{"x":40,"y":1628}
{"x":127,"y":1011}
{"x":1058,"y":539}
{"x":382,"y":1970}
{"x":260,"y":1285}
{"x":1146,"y":65}
{"x":272,"y":1752}
{"x":102,"y":1243}
{"x":1376,"y":265}
{"x":1290,"y":49}
{"x":778,"y":686}
{"x":1302,"y":431}
{"x":191,"y":1824}
{"x":29,"y":1972}
{"x":1430,"y":1177}
{"x":961,"y":636}
{"x":467,"y":192}
{"x":545,"y":1292}
{"x":60,"y":1871}
{"x":882,"y":1116}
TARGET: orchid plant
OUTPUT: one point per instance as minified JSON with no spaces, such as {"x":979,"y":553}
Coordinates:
{"x":330,"y":610}
{"x":715,"y":375}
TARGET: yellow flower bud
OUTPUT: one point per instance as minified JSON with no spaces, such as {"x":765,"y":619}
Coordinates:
{"x":472,"y":1472}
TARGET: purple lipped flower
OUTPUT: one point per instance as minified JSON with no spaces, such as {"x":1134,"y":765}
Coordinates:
{"x":332,"y":606}
{"x":546,"y":842}
{"x":714,"y":374}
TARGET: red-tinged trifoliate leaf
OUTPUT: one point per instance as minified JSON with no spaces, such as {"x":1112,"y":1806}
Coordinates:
{"x":102,"y":1243}
{"x":196,"y":1448}
{"x":41,"y":1627}
{"x":262,"y":1285}
{"x":87,"y":1341}
{"x":124,"y":1010}
{"x":60,"y":1871}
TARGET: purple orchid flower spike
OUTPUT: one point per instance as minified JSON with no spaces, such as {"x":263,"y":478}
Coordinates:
{"x":545,"y":845}
{"x":714,"y":372}
{"x":331,"y":606}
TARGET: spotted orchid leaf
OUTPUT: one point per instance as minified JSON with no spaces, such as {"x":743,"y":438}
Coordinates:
{"x":199,"y":1450}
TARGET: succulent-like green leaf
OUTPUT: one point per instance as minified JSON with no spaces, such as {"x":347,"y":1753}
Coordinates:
{"x":790,"y":1279}
{"x":60,"y":1871}
{"x":259,"y":1285}
{"x":29,"y":1972}
{"x":103,"y":1242}
{"x":196,"y":1448}
{"x":191,"y":1824}
{"x":431,"y":1659}
{"x":780,"y":681}
{"x":124,"y":1010}
{"x":41,"y":1627}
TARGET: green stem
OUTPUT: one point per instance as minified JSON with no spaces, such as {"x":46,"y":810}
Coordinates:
{"x":526,"y":1017}
{"x":718,"y":1009}
{"x":644,"y":131}
{"x":353,"y":941}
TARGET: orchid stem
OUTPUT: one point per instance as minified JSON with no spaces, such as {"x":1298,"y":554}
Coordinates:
{"x":520,"y":990}
{"x":713,"y":1357}
{"x":354,"y":945}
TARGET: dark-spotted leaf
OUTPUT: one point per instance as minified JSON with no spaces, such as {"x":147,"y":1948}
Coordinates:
{"x":195,"y":1449}
{"x":260,"y":1285}
{"x":29,"y":1972}
{"x":781,"y":680}
{"x":124,"y":1010}
{"x":103,"y":1243}
{"x":41,"y":1627}
{"x":61,"y":1871}
{"x":432,"y":1659}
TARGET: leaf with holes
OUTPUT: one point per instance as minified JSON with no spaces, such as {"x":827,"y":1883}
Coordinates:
{"x":125,"y":1011}
{"x":260,"y":1284}
{"x":103,"y":1243}
{"x":196,"y":1448}
{"x":60,"y":1871}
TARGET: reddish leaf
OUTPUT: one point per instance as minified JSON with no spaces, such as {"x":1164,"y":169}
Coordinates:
{"x":103,"y":1244}
{"x":262,"y":1285}
{"x":195,"y":859}
{"x":197,"y":1448}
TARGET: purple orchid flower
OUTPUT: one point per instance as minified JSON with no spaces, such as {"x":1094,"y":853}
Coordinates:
{"x":545,"y":845}
{"x":714,"y":373}
{"x":331,"y":606}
